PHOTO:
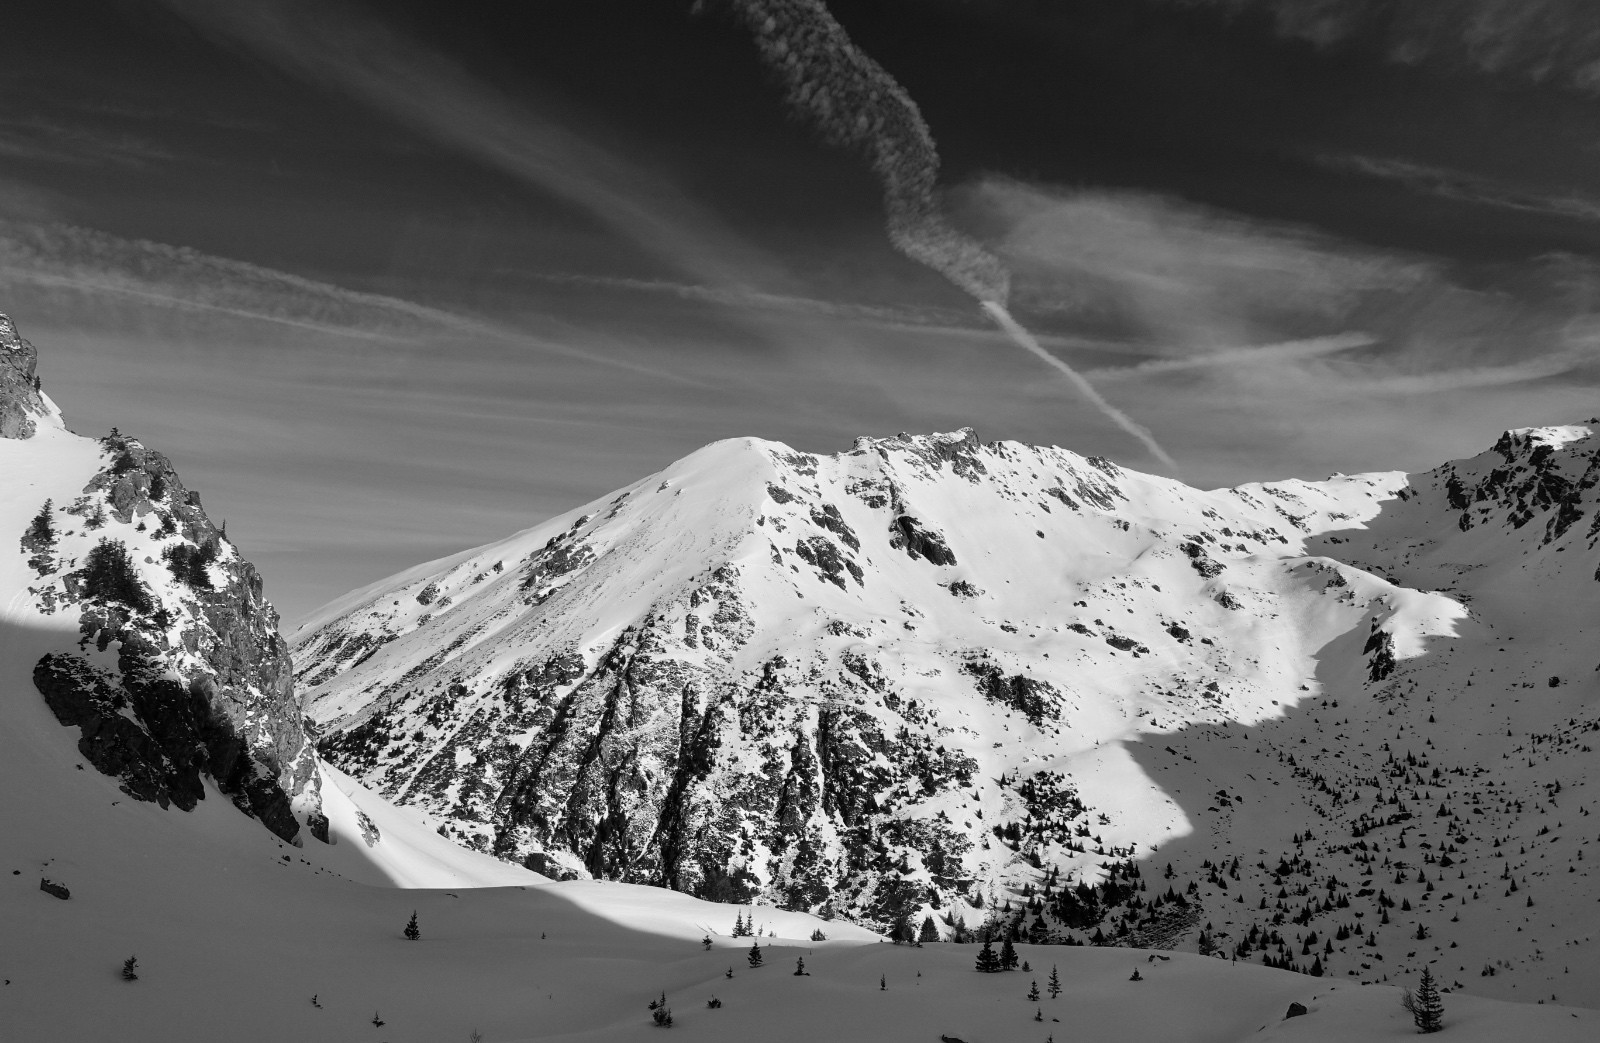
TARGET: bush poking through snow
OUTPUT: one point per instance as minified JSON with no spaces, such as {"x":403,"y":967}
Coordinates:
{"x":817,"y":935}
{"x":660,"y":1013}
{"x":130,"y":970}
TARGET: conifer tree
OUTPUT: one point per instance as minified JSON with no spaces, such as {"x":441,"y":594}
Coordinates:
{"x":901,"y":932}
{"x":1055,"y":982}
{"x":660,"y":1013}
{"x":1427,"y":1010}
{"x":130,"y":969}
{"x":1033,"y":993}
{"x":800,"y":967}
{"x":883,"y":983}
{"x":706,"y":943}
{"x":108,"y":572}
{"x":1008,"y":955}
{"x":42,"y":529}
{"x":754,"y":957}
{"x":988,"y":962}
{"x":930,"y":931}
{"x":738,"y":925}
{"x":413,"y":932}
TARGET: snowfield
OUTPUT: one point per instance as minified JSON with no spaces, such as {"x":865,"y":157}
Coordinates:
{"x":1315,"y":727}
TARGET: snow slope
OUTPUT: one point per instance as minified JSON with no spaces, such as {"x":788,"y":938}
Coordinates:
{"x":241,"y":935}
{"x":937,"y":677}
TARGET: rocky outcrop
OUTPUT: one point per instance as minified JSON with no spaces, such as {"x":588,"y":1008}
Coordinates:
{"x":180,"y":674}
{"x":20,"y":400}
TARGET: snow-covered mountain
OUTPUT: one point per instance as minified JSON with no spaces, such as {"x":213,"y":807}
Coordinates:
{"x":232,"y":931}
{"x":932,"y":676}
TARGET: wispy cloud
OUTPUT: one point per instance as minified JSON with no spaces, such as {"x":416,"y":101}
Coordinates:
{"x":97,"y":265}
{"x":1251,"y":323}
{"x":336,"y":48}
{"x":1260,"y":354}
{"x":46,"y":141}
{"x":1533,"y":40}
{"x":1175,"y":274}
{"x":1467,"y":187}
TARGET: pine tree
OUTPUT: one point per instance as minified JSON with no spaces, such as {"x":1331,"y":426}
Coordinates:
{"x":755,"y":954}
{"x":988,"y":962}
{"x":738,"y":925}
{"x":108,"y":573}
{"x":413,"y":932}
{"x":883,"y":983}
{"x":901,"y":932}
{"x":1033,"y":993}
{"x":1427,"y":1010}
{"x":130,"y":969}
{"x":930,"y":931}
{"x":706,"y":943}
{"x":660,"y":1013}
{"x":1055,"y":982}
{"x":42,"y":529}
{"x":1008,"y":955}
{"x":377,"y":1022}
{"x":800,"y":967}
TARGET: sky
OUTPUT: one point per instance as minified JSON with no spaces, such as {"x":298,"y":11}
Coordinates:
{"x":389,"y":280}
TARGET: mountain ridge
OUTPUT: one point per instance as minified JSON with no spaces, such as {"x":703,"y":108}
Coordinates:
{"x":827,"y":682}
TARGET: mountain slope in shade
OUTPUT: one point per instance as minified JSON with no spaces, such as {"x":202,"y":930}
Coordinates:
{"x":1007,"y":684}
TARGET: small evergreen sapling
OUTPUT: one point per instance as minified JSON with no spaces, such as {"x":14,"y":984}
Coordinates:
{"x":883,"y":983}
{"x":660,"y":1013}
{"x":1427,"y":1010}
{"x":1136,"y":976}
{"x":413,"y":932}
{"x":817,"y":935}
{"x":377,"y":1022}
{"x":754,"y":958}
{"x":706,"y":943}
{"x":1055,"y":982}
{"x":988,"y":962}
{"x":800,"y":968}
{"x":130,"y":969}
{"x":1033,"y":993}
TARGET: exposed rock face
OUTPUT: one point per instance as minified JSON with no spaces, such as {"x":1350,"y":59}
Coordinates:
{"x":883,"y":682}
{"x":180,"y":672}
{"x":20,"y":401}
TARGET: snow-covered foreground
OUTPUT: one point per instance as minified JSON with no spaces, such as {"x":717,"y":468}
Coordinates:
{"x":236,"y":933}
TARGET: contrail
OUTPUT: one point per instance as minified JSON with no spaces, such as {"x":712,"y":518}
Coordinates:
{"x":854,"y":103}
{"x":1026,"y":340}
